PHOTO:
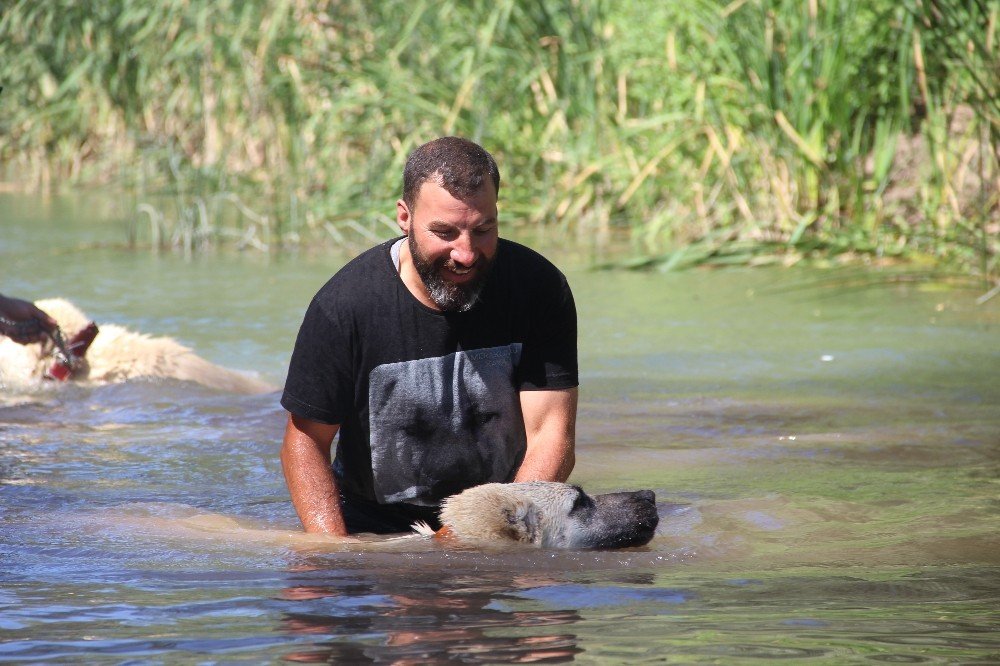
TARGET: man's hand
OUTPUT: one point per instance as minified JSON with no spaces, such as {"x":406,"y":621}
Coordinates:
{"x":305,"y":459}
{"x":24,"y":323}
{"x":550,"y":424}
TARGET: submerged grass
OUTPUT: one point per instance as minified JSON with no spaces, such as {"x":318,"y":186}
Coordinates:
{"x":702,"y":131}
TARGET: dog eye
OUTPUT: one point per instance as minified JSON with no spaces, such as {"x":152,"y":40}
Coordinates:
{"x":581,"y":503}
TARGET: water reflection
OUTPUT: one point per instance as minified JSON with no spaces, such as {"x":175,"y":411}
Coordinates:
{"x":387,"y":617}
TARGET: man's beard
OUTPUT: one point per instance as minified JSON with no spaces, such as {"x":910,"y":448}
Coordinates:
{"x":448,"y":295}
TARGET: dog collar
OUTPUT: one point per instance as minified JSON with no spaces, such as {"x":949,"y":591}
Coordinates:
{"x":68,"y":355}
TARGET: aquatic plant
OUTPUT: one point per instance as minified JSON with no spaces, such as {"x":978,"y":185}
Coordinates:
{"x":699,"y":132}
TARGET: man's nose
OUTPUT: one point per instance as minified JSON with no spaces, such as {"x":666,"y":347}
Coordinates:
{"x":464,"y":251}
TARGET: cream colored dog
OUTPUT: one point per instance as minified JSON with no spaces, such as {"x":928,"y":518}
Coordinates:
{"x":549,"y":515}
{"x":116,"y":355}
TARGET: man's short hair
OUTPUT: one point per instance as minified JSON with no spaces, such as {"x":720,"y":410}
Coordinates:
{"x":458,"y":165}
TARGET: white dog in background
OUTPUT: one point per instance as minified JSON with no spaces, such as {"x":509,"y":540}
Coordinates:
{"x":117,"y":355}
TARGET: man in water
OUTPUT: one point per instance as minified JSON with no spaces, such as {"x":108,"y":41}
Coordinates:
{"x":444,"y":359}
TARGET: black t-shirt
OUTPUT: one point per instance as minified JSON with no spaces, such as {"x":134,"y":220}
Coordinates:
{"x":427,"y":402}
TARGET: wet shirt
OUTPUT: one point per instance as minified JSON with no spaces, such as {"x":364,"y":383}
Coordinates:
{"x":427,"y":402}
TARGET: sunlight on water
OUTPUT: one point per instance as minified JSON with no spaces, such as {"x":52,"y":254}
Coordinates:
{"x":824,"y":460}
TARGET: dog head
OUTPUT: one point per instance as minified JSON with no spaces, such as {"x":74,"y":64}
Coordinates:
{"x":70,"y":318}
{"x":72,"y":322}
{"x":551,"y":515}
{"x":29,"y":363}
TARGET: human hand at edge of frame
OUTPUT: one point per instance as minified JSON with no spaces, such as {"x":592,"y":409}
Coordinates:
{"x":23,"y":322}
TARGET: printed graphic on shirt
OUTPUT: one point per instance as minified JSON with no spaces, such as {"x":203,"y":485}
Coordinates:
{"x":439,"y":425}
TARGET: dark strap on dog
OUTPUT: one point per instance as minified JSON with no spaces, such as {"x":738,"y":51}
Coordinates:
{"x":67,"y":356}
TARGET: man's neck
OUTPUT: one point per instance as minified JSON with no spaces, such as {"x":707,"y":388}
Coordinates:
{"x":408,"y":274}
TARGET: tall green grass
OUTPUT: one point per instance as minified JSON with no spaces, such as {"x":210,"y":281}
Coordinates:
{"x":698,"y":131}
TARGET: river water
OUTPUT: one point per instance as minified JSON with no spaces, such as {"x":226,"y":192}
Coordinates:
{"x":823,"y":445}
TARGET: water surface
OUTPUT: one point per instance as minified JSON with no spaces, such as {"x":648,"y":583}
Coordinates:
{"x":825,"y":460}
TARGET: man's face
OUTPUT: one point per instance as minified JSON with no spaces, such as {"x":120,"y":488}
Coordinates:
{"x":452,"y":242}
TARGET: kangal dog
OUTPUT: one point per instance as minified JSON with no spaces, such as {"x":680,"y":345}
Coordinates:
{"x":116,"y":355}
{"x":548,"y":515}
{"x":537,"y":514}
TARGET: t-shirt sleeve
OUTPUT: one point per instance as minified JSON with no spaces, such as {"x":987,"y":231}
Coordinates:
{"x":320,"y":383}
{"x":549,"y":356}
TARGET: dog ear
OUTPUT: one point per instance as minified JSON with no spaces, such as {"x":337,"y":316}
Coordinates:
{"x":521,"y":520}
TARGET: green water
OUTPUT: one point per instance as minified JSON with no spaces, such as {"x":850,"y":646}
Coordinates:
{"x":825,"y":459}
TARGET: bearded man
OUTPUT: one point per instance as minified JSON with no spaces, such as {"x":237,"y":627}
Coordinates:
{"x":443,"y":359}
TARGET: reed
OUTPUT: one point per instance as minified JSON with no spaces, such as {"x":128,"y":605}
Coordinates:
{"x":749,"y":131}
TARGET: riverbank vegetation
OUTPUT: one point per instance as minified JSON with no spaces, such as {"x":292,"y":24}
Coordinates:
{"x":695,"y":132}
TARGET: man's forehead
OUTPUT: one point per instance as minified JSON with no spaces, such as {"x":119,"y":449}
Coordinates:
{"x":436,"y":183}
{"x":437,"y":195}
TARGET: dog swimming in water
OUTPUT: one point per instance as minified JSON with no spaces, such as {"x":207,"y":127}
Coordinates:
{"x":548,"y":515}
{"x":114,"y":354}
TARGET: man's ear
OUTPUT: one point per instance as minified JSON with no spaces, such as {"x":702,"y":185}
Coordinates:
{"x":403,"y":217}
{"x":521,"y":521}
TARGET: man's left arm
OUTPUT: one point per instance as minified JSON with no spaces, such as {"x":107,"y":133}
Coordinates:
{"x":550,"y":425}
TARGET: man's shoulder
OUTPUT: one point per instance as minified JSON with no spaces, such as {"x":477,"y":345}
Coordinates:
{"x":360,"y":276}
{"x":524,"y":264}
{"x":524,"y":257}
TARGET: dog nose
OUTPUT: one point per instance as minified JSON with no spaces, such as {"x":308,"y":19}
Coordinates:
{"x":646,"y":496}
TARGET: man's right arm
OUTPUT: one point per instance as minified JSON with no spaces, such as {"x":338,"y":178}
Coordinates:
{"x":305,"y":459}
